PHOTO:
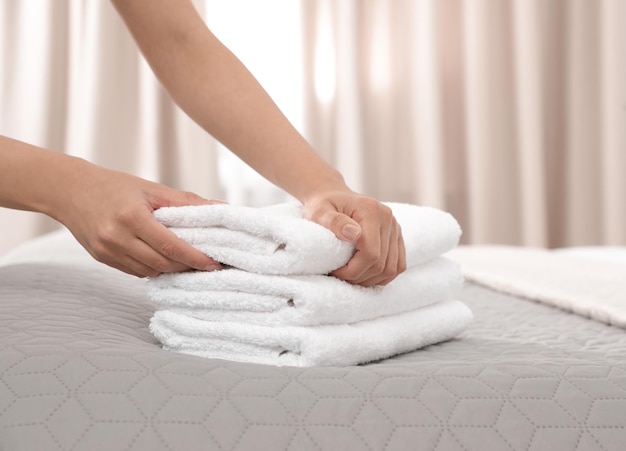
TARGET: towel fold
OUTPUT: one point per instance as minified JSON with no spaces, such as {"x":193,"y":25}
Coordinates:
{"x":345,"y":344}
{"x":302,"y":300}
{"x":277,"y":240}
{"x":276,"y":305}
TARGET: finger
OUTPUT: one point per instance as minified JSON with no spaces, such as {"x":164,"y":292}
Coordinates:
{"x":401,"y":261}
{"x":382,"y":268}
{"x":114,"y":255}
{"x":385,"y":268}
{"x":176,"y":198}
{"x":356,"y":269}
{"x":130,"y":266}
{"x":368,"y":252}
{"x":401,"y":251}
{"x":168,"y":245}
{"x":132,"y":252}
{"x":146,"y":255}
{"x":343,"y":226}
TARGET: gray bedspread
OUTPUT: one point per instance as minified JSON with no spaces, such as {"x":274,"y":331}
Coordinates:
{"x":79,"y":370}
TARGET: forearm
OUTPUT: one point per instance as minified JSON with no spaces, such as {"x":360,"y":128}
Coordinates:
{"x":219,"y":93}
{"x":35,"y":179}
{"x":109,"y":212}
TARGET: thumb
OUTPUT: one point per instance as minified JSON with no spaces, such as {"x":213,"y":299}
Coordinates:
{"x":343,"y":226}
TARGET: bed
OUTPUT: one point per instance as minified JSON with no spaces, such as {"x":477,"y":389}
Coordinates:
{"x":79,"y":370}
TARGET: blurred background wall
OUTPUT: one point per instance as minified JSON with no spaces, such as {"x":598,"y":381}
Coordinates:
{"x":511,"y":114}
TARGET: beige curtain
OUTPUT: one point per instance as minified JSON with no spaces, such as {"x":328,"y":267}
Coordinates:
{"x":72,"y":80}
{"x":509,"y":114}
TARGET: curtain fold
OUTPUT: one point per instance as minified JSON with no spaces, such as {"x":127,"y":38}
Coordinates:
{"x":613,"y":131}
{"x":508,"y":114}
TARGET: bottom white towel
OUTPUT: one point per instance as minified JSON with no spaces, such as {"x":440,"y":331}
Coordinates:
{"x":332,"y":345}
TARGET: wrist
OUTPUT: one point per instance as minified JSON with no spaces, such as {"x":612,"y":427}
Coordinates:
{"x":35,"y":179}
{"x":67,"y":180}
{"x":318,"y":186}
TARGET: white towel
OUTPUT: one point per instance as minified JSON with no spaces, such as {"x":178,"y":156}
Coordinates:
{"x":277,"y":240}
{"x":302,"y":300}
{"x":336,"y":345}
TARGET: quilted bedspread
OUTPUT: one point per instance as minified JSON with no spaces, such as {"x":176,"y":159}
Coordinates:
{"x":79,"y":370}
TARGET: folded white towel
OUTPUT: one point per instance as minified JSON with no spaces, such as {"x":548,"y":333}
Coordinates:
{"x":277,"y":240}
{"x":336,"y":345}
{"x":239,"y":296}
{"x":278,"y":307}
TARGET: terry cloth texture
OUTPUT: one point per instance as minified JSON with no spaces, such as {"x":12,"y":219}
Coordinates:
{"x":277,"y":240}
{"x":276,"y":305}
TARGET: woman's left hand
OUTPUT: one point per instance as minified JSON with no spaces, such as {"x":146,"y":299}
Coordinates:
{"x":380,"y":254}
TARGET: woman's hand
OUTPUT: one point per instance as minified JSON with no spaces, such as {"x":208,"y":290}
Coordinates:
{"x":380,"y":254}
{"x":110,"y":214}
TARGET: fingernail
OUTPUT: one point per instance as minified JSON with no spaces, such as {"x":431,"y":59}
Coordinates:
{"x":213,"y":267}
{"x":351,"y":231}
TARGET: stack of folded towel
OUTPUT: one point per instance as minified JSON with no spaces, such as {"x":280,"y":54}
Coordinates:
{"x":275,"y":304}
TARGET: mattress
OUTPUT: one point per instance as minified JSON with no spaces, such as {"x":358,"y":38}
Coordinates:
{"x":79,"y":370}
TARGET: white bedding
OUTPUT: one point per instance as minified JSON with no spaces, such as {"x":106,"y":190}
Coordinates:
{"x":54,"y":247}
{"x":578,"y":280}
{"x":615,"y":254}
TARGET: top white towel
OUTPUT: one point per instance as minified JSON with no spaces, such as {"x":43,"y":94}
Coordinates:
{"x":277,"y":240}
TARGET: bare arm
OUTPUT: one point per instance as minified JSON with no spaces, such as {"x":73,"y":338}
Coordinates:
{"x":109,"y":212}
{"x":221,"y":95}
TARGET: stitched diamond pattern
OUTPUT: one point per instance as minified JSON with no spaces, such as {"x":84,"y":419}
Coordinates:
{"x":79,"y":370}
